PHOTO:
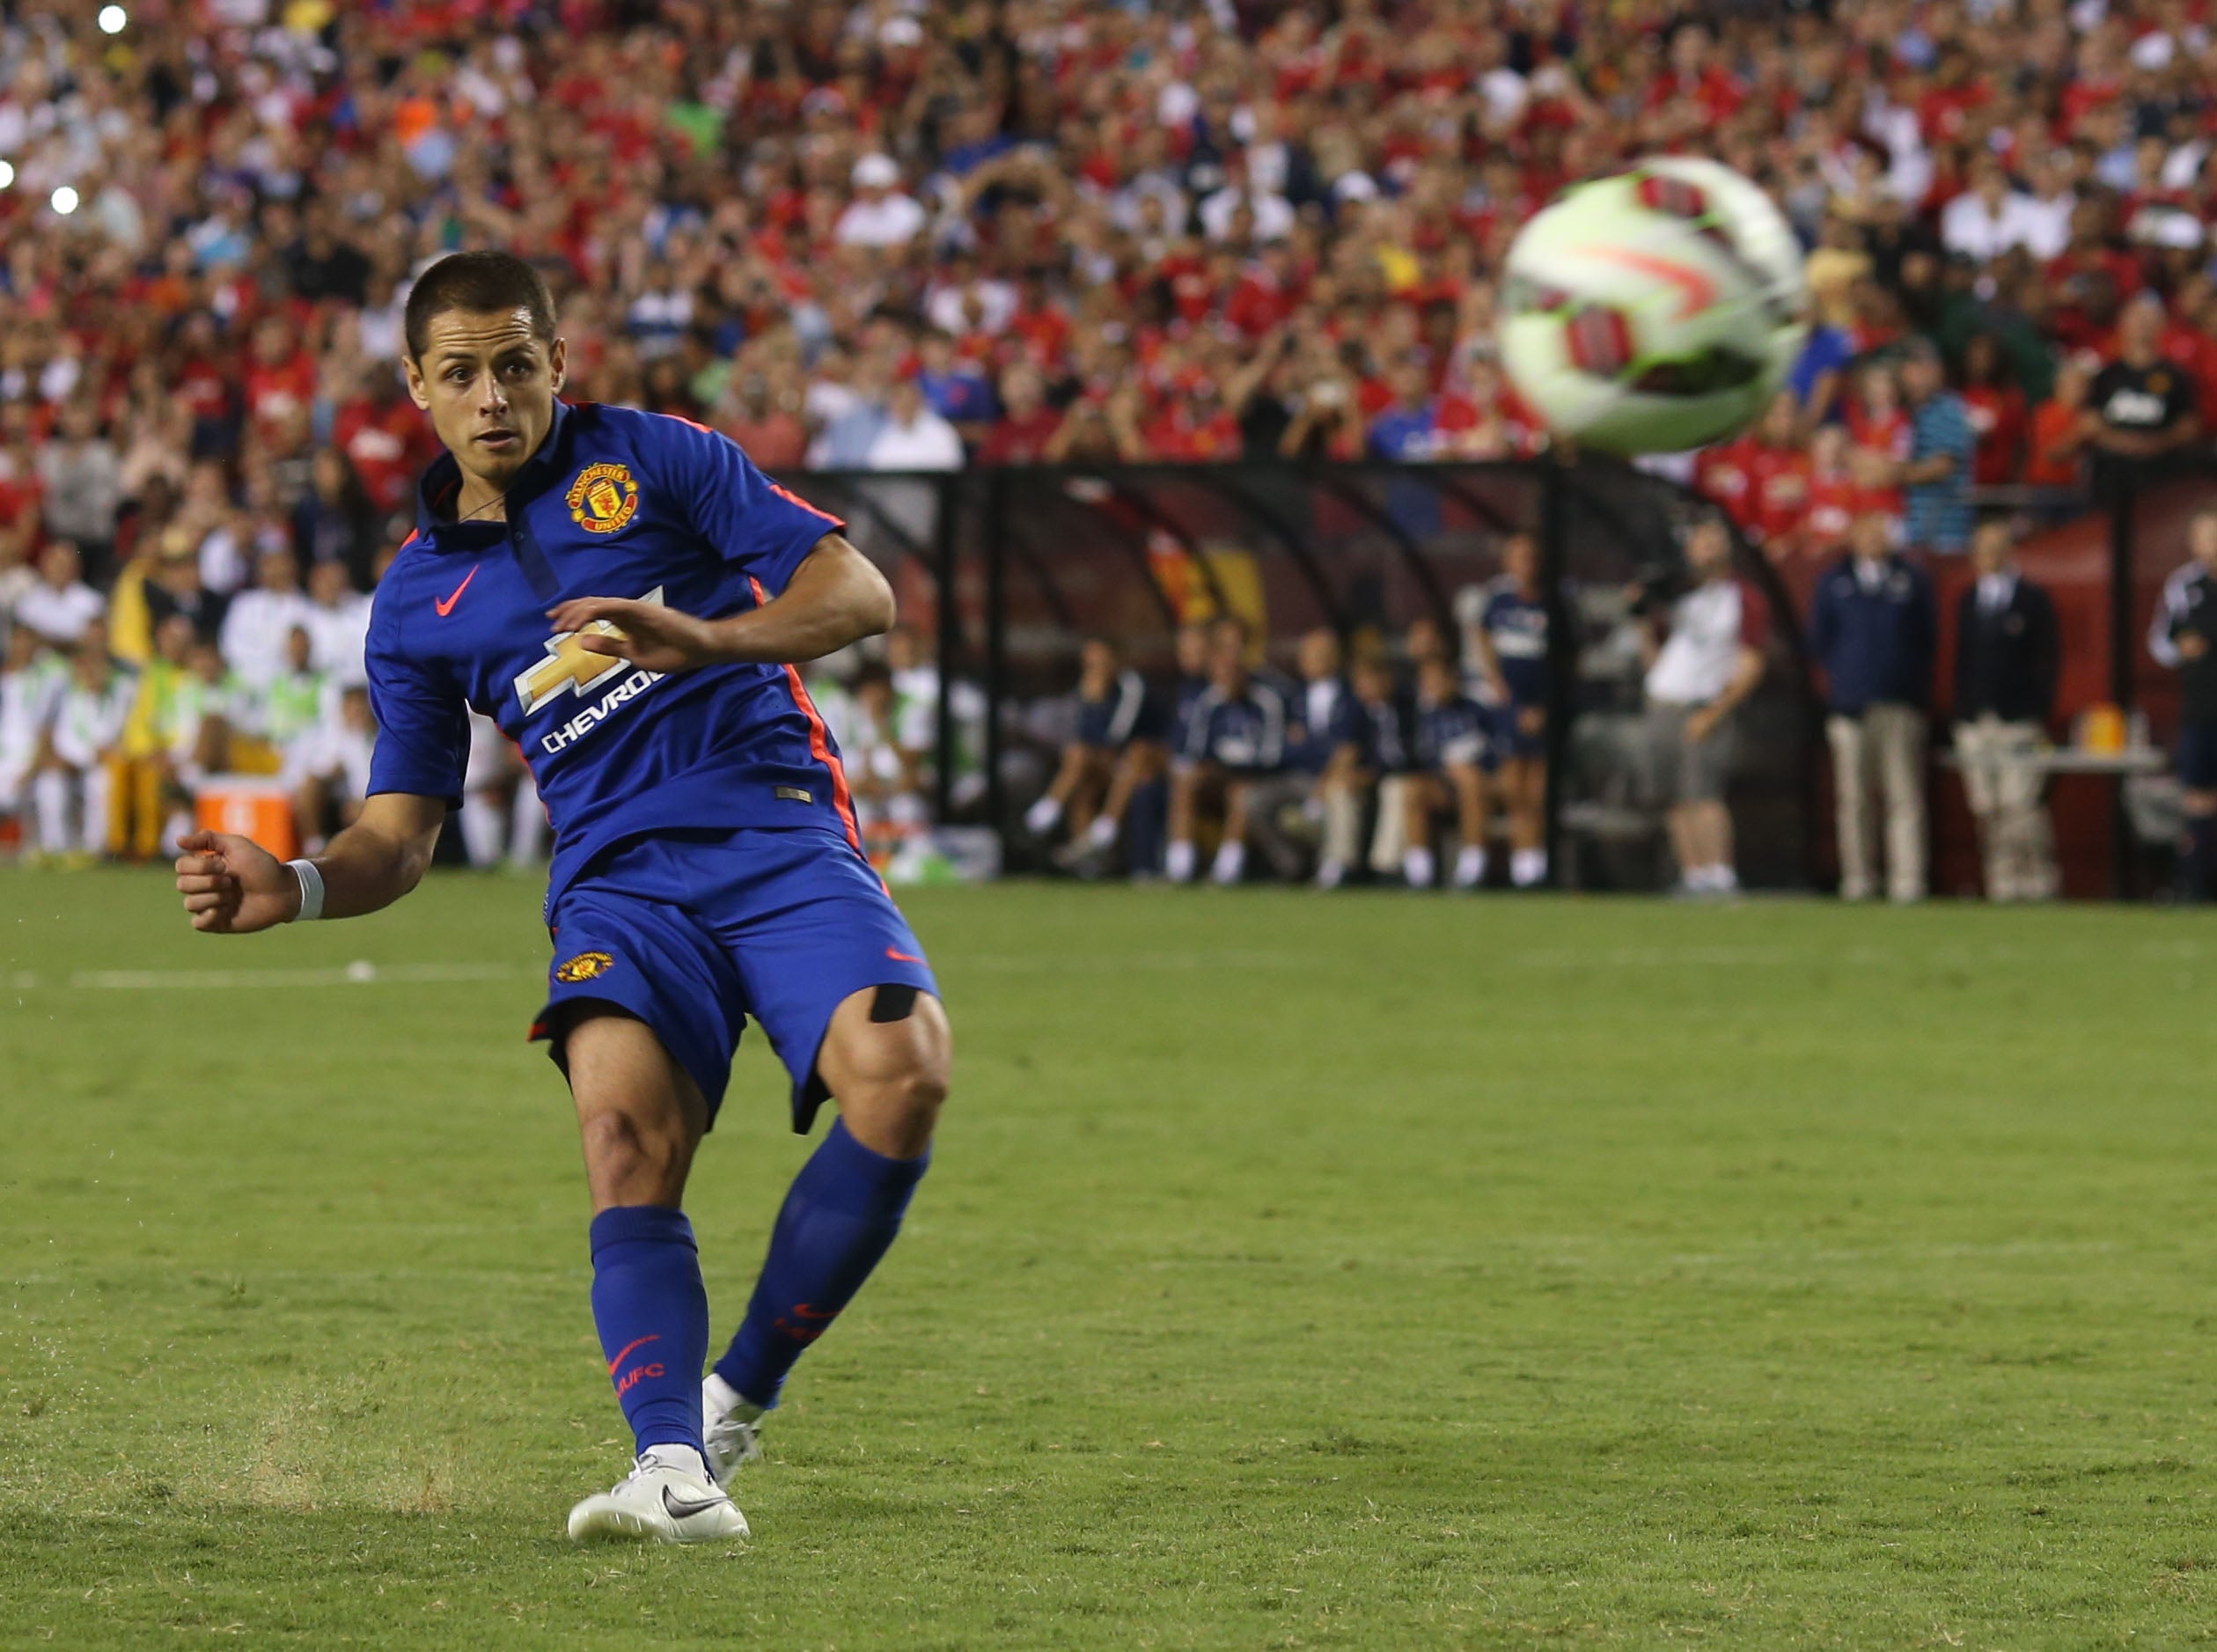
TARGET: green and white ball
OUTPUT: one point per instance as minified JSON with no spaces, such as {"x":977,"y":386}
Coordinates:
{"x":1655,"y":310}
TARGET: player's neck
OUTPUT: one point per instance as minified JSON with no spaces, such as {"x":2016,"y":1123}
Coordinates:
{"x":481,"y":500}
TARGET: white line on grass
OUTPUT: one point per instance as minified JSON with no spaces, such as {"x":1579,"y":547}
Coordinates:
{"x":359,"y":973}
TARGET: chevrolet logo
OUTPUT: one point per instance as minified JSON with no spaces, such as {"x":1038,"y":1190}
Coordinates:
{"x":571,"y":667}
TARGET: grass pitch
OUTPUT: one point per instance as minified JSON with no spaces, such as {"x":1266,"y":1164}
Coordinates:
{"x":1360,"y":1272}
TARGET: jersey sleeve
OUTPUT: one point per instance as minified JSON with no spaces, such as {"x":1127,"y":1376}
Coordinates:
{"x":424,"y":739}
{"x":747,"y":519}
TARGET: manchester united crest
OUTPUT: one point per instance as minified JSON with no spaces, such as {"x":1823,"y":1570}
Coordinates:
{"x":602,"y":498}
{"x":584,"y":966}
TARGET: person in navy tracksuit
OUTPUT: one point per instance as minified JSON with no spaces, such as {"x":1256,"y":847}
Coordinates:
{"x":1235,"y":736}
{"x":1872,"y":630}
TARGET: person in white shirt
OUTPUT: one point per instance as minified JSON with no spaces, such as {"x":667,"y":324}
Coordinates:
{"x":341,"y":626}
{"x":259,"y":622}
{"x":334,"y":775}
{"x":74,"y":776}
{"x":1990,"y":217}
{"x":32,"y":679}
{"x":914,"y":437}
{"x":1699,"y":672}
{"x":879,"y":215}
{"x":502,"y":815}
{"x":61,"y":607}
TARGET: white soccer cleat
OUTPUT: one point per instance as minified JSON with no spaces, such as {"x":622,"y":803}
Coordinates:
{"x":731,"y":1427}
{"x":663,"y":1500}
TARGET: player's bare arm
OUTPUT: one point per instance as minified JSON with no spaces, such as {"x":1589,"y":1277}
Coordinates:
{"x":836,"y":596}
{"x":232,"y":887}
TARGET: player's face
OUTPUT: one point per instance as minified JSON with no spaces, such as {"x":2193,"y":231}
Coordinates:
{"x":1520,"y":560}
{"x":488,"y":383}
{"x":2202,"y":540}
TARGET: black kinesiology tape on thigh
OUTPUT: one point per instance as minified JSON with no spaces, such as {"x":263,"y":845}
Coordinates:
{"x":894,"y":1001}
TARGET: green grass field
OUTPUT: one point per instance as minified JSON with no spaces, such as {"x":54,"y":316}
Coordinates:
{"x":1358,"y":1272}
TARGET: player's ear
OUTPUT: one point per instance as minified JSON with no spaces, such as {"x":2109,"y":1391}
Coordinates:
{"x":558,"y":362}
{"x":414,"y":374}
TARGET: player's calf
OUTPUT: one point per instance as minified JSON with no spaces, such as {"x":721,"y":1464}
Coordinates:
{"x":886,"y":1060}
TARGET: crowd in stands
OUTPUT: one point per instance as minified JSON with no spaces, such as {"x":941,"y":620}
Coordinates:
{"x":930,"y":233}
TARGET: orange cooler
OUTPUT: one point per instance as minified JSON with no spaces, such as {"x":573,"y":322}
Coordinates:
{"x":249,"y":807}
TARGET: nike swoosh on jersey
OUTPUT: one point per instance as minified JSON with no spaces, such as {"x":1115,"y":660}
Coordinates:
{"x":447,"y":607}
{"x":678,"y":1510}
{"x":901,"y":958}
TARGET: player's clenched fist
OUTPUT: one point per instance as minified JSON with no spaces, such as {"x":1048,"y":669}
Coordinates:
{"x":232,"y":886}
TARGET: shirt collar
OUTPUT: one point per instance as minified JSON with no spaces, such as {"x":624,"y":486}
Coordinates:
{"x":435,"y":494}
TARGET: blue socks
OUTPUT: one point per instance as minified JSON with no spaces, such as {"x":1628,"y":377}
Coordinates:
{"x":652,"y":1313}
{"x":841,"y":1215}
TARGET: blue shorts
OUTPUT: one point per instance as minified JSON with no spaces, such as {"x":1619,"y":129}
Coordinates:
{"x":694,"y":931}
{"x":2196,"y":756}
{"x":1510,"y":740}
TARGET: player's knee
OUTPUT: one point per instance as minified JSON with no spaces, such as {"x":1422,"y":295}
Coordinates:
{"x":629,"y":1153}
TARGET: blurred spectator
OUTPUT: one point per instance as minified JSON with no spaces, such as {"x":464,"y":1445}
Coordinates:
{"x":2007,"y":660}
{"x":1314,"y":808}
{"x":2184,"y":637}
{"x":1991,"y":216}
{"x":2055,"y":454}
{"x":339,"y":621}
{"x":1705,"y":662}
{"x":1506,"y":632}
{"x":75,"y":781}
{"x":33,"y":675}
{"x":335,"y":520}
{"x":80,"y":475}
{"x":1872,"y":633}
{"x":879,"y":215}
{"x":151,"y":798}
{"x":259,"y":621}
{"x":333,"y":771}
{"x":502,"y":815}
{"x":954,"y":388}
{"x":1235,"y":736}
{"x":1112,"y":699}
{"x":912,"y":436}
{"x":2141,"y":406}
{"x":1027,"y":424}
{"x":1996,"y":406}
{"x":887,"y":798}
{"x":61,"y":607}
{"x":1937,"y":470}
{"x":765,"y":421}
{"x":1384,"y":761}
{"x":1454,"y":764}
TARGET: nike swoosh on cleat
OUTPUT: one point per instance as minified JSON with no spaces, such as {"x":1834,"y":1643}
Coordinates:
{"x":678,"y":1510}
{"x":447,"y":607}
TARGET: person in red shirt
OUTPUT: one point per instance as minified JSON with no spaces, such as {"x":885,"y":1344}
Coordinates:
{"x":1778,"y":475}
{"x":2055,"y":453}
{"x":1997,"y":412}
{"x":1026,"y":425}
{"x":1834,"y":494}
{"x":1876,"y":417}
{"x":281,"y":376}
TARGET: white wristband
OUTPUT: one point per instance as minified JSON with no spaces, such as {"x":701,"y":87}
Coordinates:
{"x":311,"y":891}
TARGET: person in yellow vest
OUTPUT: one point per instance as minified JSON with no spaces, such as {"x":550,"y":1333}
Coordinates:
{"x":147,"y":793}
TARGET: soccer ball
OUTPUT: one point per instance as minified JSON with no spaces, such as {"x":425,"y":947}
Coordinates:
{"x":1655,"y":310}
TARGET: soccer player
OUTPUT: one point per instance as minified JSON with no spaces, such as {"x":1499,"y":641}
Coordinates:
{"x":2183,"y":636}
{"x":1508,"y":635}
{"x":1235,"y":736}
{"x":1456,"y":761}
{"x":705,"y":868}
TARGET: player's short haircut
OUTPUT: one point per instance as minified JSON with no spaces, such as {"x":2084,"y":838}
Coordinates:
{"x":482,"y":281}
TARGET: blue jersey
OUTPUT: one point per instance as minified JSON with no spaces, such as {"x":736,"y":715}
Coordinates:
{"x":1110,"y":721}
{"x":614,"y":503}
{"x":1516,"y":625}
{"x":1245,"y":732}
{"x":1454,"y":732}
{"x":1326,"y":718}
{"x":1384,"y":731}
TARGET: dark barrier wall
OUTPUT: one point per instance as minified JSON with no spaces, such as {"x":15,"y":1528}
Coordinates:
{"x":1009,"y":569}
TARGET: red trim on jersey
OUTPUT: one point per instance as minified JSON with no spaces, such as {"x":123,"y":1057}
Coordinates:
{"x":792,"y":498}
{"x":819,"y":741}
{"x":413,"y":534}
